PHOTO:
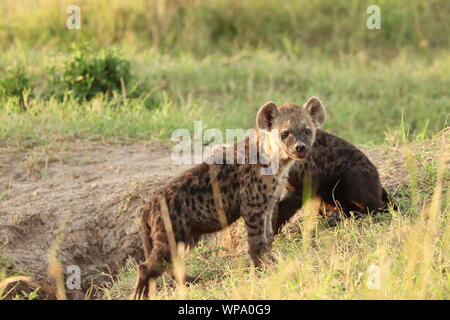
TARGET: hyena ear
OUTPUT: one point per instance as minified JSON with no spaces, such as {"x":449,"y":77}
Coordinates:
{"x":316,"y":109}
{"x":266,"y":114}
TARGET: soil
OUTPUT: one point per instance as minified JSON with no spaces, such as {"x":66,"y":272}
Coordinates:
{"x":84,"y":202}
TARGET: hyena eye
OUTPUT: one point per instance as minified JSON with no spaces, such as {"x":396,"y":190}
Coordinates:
{"x":284,"y":134}
{"x":308,"y":131}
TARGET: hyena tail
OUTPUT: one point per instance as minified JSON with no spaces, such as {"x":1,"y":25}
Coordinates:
{"x":388,"y":201}
{"x":146,"y":234}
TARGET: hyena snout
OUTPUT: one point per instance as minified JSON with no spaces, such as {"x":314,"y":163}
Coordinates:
{"x":300,"y":147}
{"x":300,"y":150}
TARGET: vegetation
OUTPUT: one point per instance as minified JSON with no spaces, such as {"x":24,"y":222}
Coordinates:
{"x":364,"y":98}
{"x":88,"y":74}
{"x":227,"y":26}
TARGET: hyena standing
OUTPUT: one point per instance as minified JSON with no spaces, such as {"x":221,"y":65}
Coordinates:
{"x":244,"y":190}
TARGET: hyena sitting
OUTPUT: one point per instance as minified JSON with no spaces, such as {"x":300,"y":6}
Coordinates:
{"x":337,"y":173}
{"x":245,"y":191}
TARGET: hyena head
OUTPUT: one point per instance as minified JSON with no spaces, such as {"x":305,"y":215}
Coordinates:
{"x":290,"y":128}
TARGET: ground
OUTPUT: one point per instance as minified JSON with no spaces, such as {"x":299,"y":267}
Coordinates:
{"x":90,"y":192}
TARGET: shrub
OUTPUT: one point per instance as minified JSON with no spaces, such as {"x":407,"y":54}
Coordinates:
{"x":90,"y":73}
{"x":14,"y":81}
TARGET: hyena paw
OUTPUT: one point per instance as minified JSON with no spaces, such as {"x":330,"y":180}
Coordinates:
{"x":333,"y":218}
{"x":141,"y":289}
{"x":264,"y":259}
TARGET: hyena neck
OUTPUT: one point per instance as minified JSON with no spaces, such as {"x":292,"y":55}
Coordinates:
{"x":266,"y":151}
{"x":284,"y":166}
{"x":265,"y":148}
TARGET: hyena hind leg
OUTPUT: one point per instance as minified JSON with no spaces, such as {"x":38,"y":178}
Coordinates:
{"x":146,"y":237}
{"x":360,"y":192}
{"x":155,"y":265}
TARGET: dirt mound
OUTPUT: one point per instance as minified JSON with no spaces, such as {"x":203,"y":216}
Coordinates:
{"x":84,"y":202}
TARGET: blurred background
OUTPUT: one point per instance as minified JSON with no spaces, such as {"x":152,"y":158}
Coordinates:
{"x":139,"y":69}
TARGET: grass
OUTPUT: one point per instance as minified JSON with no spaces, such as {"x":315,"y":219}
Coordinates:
{"x":225,"y":92}
{"x":8,"y":282}
{"x":226,"y":26}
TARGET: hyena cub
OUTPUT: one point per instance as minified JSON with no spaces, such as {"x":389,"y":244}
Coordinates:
{"x":339,"y":174}
{"x":246,"y":190}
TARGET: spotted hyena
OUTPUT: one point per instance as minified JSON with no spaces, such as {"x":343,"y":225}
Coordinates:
{"x":209,"y":197}
{"x":336,"y":172}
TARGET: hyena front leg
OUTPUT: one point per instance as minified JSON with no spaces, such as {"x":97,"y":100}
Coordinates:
{"x":257,"y":219}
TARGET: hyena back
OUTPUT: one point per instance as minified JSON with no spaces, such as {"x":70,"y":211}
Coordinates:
{"x":244,"y":191}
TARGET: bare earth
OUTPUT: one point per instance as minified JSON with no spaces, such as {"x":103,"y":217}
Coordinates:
{"x":84,"y":201}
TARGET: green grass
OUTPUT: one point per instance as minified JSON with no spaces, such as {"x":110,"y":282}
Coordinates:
{"x":225,"y":26}
{"x":364,"y":98}
{"x":218,"y":62}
